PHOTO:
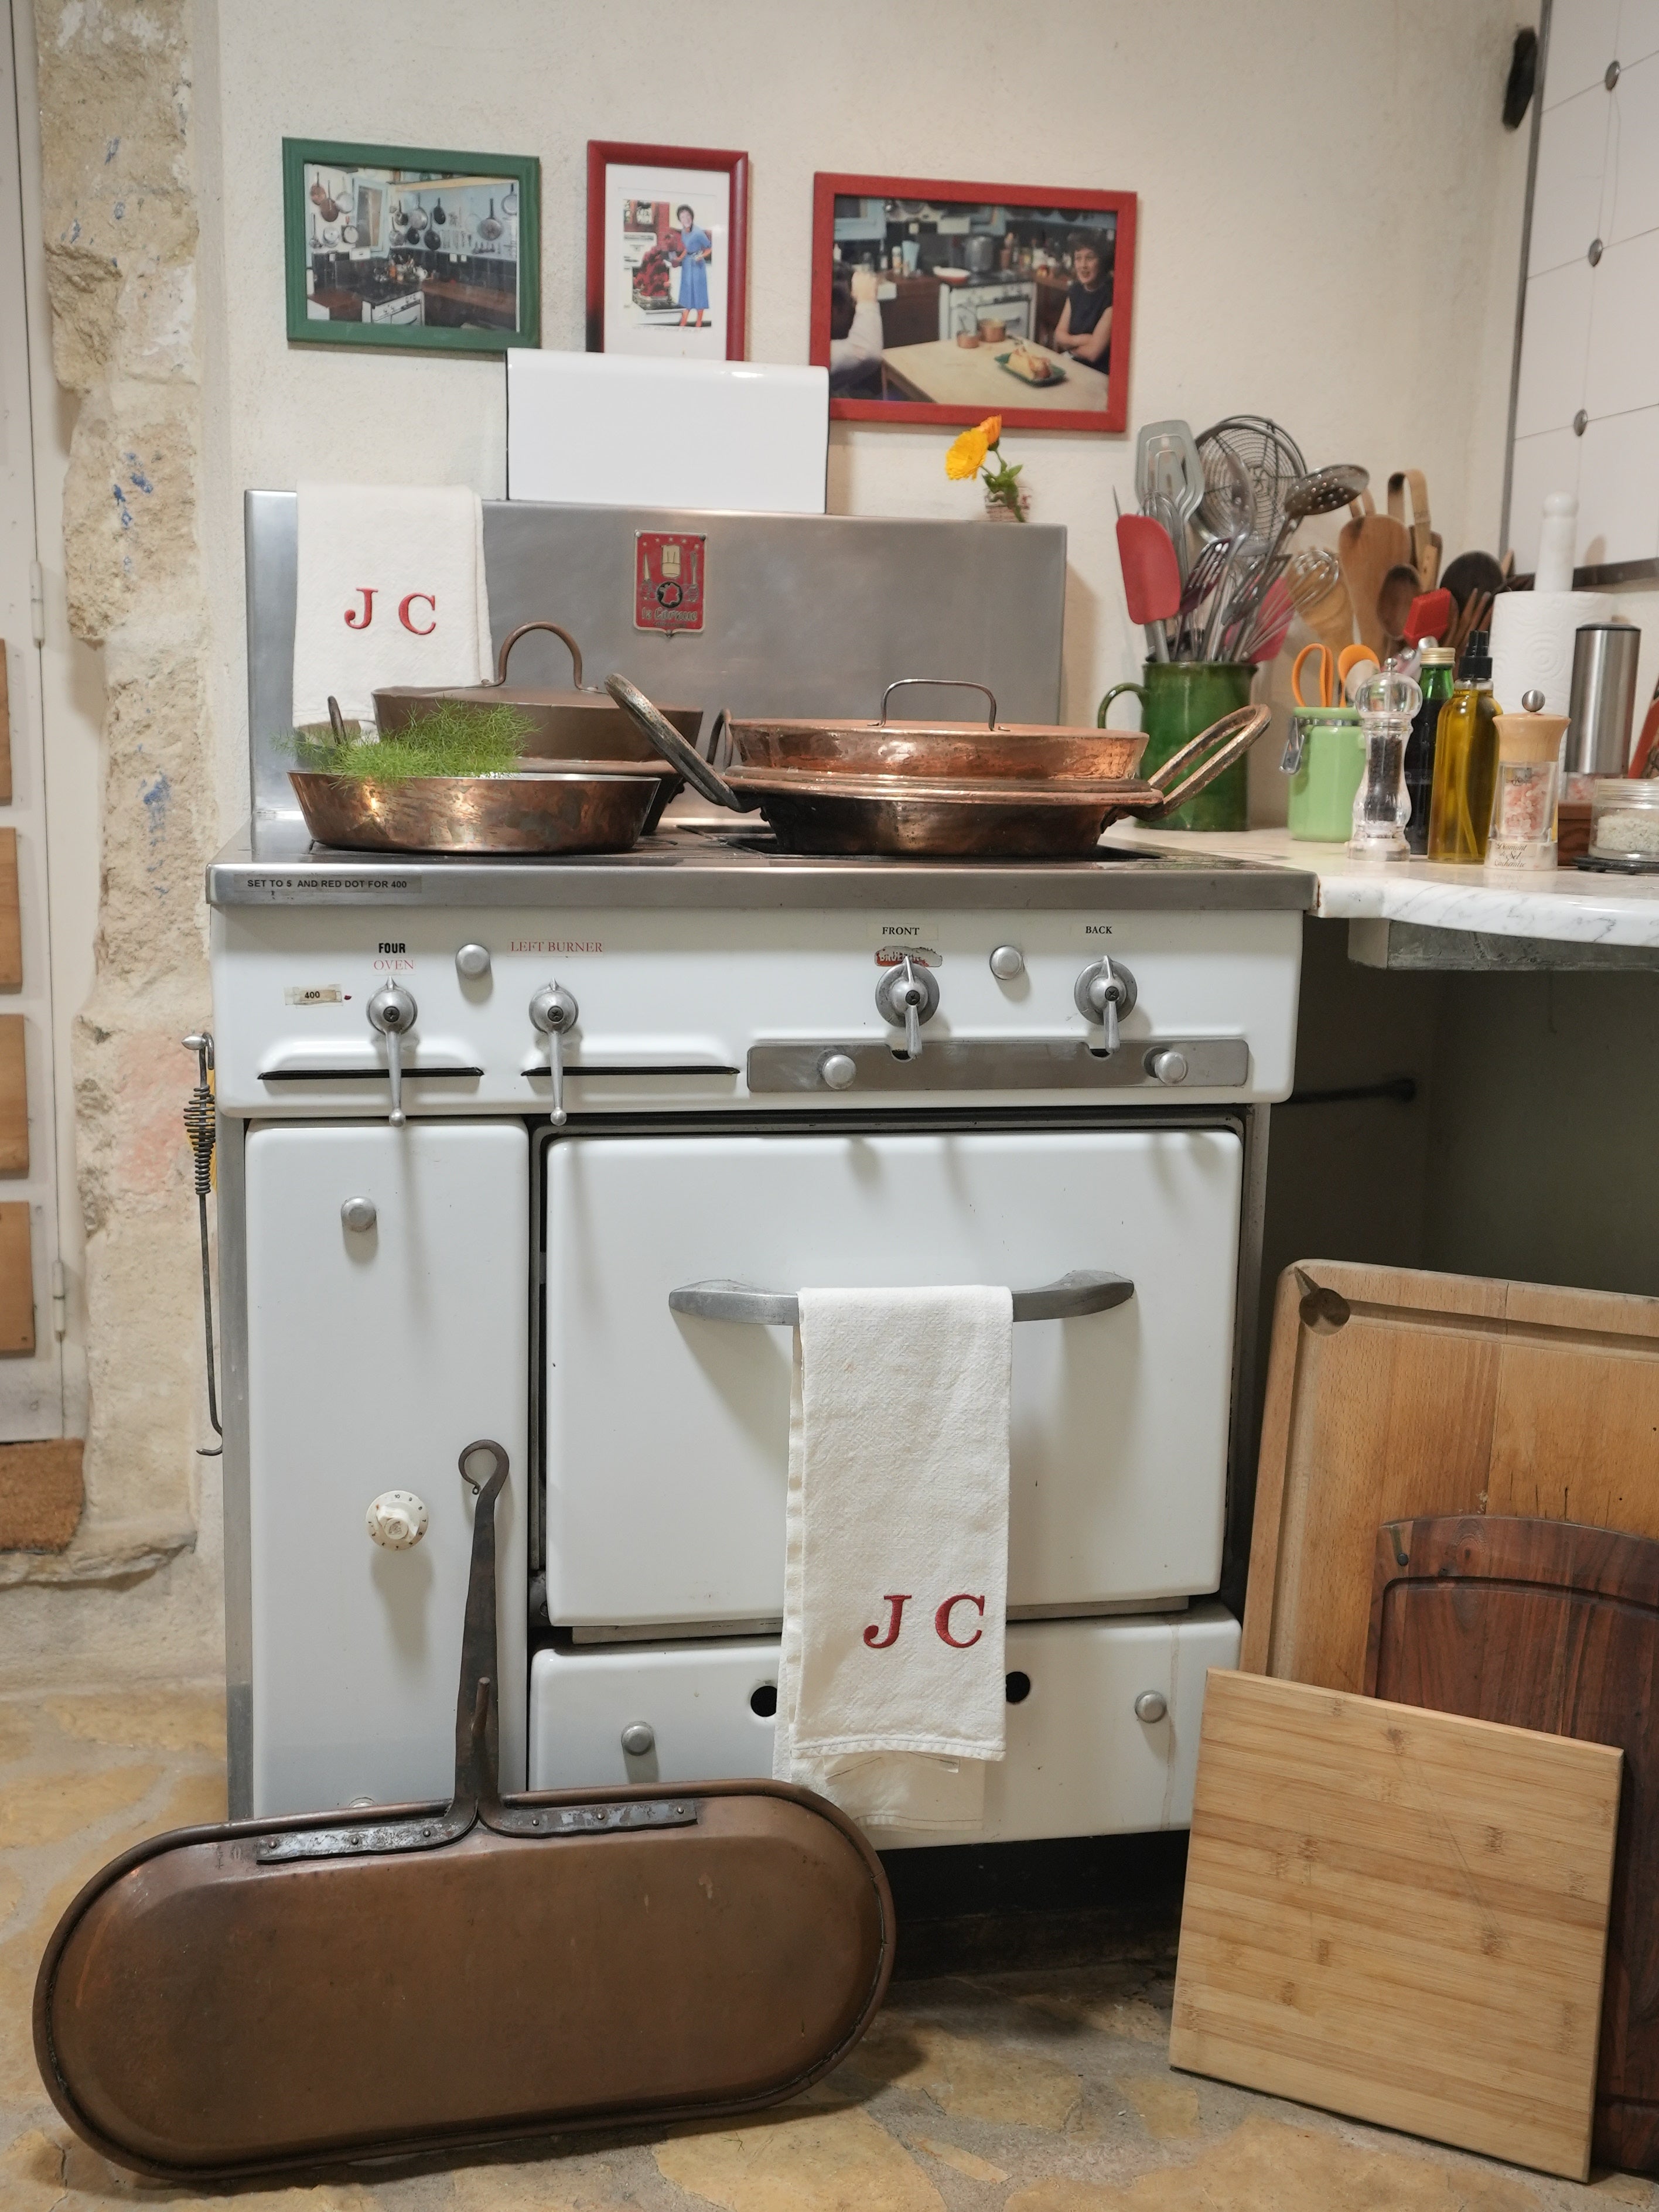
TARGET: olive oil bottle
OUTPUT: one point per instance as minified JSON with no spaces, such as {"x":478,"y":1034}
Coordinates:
{"x":1465,"y":761}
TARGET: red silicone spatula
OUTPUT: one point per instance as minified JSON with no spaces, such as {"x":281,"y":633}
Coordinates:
{"x":1431,"y":615}
{"x":1152,"y":577}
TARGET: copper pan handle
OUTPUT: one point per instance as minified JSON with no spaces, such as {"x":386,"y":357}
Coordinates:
{"x":673,"y":748}
{"x":523,"y":630}
{"x":940,"y":684}
{"x":1215,"y":750}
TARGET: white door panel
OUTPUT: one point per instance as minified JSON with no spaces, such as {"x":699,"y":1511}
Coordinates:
{"x":667,"y":1435}
{"x":1081,"y":1761}
{"x":374,"y":1357}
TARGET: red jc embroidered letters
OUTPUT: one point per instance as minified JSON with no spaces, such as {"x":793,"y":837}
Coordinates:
{"x":360,"y":617}
{"x":897,"y":1601}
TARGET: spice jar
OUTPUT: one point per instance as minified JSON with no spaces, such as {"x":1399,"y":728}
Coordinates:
{"x":1625,"y":821}
{"x":1525,"y":788}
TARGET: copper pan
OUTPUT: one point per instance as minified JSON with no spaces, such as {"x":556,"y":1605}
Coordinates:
{"x":941,"y":751}
{"x":988,"y":817}
{"x":580,"y":723}
{"x":580,"y":806}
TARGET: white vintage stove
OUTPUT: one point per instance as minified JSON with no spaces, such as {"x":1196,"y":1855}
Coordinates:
{"x":542,"y":1149}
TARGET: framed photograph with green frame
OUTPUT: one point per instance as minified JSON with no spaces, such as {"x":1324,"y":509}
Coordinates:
{"x":411,"y":246}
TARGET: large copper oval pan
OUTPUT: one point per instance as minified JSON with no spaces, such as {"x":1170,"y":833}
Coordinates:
{"x":200,"y":2014}
{"x":991,"y":818}
{"x":585,"y":806}
{"x":948,"y":752}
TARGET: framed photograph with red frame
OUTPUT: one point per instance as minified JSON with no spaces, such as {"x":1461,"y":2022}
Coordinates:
{"x":667,"y":250}
{"x":936,"y":301}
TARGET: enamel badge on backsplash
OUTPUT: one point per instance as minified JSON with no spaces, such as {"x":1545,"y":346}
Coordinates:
{"x":668,"y":574}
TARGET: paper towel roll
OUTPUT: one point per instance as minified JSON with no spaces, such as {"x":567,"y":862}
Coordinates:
{"x":1532,"y":640}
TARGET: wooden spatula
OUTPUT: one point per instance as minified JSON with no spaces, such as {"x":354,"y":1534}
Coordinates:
{"x":1368,"y":548}
{"x":1152,"y":577}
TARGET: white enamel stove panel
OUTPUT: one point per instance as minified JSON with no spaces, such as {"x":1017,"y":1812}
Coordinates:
{"x":693,"y":992}
{"x":667,"y":1435}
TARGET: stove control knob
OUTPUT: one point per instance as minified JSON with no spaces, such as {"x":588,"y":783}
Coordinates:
{"x":1168,"y":1065}
{"x":553,"y":1011}
{"x":1104,"y":993}
{"x":838,"y":1070}
{"x":359,"y":1213}
{"x":638,"y":1738}
{"x":908,"y":996}
{"x":397,"y":1520}
{"x":1152,"y":1705}
{"x":1007,"y":962}
{"x":472,"y":960}
{"x":391,"y":1011}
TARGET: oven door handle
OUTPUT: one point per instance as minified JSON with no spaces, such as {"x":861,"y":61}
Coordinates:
{"x":1089,"y":1290}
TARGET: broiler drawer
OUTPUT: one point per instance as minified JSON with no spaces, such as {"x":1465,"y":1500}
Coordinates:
{"x":1081,"y":1761}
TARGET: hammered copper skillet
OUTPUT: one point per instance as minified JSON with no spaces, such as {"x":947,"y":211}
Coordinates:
{"x":1042,"y":815}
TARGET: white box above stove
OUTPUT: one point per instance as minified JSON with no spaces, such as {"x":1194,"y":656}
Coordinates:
{"x":608,"y":431}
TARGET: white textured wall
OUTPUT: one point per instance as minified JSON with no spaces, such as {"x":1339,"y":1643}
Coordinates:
{"x":1330,"y":223}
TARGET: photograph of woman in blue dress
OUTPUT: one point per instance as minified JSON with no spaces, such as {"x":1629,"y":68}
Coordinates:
{"x":691,"y":252}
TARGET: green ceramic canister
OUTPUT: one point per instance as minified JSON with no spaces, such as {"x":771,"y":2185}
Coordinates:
{"x":1326,"y":761}
{"x":1178,"y":700}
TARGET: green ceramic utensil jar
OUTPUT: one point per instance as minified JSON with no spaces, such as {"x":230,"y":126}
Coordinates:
{"x":1179,"y":699}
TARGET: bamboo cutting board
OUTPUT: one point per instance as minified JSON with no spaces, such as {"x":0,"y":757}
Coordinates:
{"x":1398,"y":1915}
{"x":1394,"y":1393}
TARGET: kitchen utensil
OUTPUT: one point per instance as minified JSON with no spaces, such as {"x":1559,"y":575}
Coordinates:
{"x":1396,"y":594}
{"x":1177,"y":700}
{"x":1320,"y":492}
{"x":1271,"y":626}
{"x":1524,"y":788}
{"x":432,"y":242}
{"x":1400,"y":1915}
{"x":1390,"y":1391}
{"x":938,"y":752}
{"x":1474,"y":615}
{"x":1271,"y":461}
{"x":1470,"y":572}
{"x":1204,"y":575}
{"x":509,"y":201}
{"x":1314,"y":579}
{"x":491,"y":227}
{"x":1152,"y":577}
{"x":1473,"y":1614}
{"x":329,"y":209}
{"x":1169,"y":479}
{"x":1368,"y":547}
{"x":581,"y":722}
{"x":1430,"y":616}
{"x":1219,"y":601}
{"x":991,"y":331}
{"x":1386,"y":702}
{"x":1228,"y":505}
{"x":430,"y":1975}
{"x":1425,"y":544}
{"x":1019,"y":818}
{"x":580,"y":806}
{"x":1604,"y":658}
{"x":438,"y":215}
{"x":1324,"y":679}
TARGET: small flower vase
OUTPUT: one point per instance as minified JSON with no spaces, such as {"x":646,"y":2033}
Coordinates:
{"x":997,"y":510}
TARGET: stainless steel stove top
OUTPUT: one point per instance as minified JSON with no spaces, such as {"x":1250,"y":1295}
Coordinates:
{"x":275,"y":864}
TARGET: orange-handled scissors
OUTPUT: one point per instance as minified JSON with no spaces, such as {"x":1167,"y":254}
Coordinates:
{"x":1325,"y":662}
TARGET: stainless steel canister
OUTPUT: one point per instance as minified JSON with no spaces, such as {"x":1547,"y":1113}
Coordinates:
{"x":1603,"y":699}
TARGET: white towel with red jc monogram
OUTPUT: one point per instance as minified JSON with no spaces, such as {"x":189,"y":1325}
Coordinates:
{"x":391,"y":591}
{"x":890,"y":1680}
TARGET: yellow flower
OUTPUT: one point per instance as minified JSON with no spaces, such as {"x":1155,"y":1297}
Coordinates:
{"x":991,"y":429}
{"x":967,"y":454}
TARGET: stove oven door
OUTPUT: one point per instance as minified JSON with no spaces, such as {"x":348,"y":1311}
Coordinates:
{"x":666,"y":1435}
{"x":388,"y":1327}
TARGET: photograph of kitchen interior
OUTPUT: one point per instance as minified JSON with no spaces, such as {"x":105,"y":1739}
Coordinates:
{"x":829,"y":1316}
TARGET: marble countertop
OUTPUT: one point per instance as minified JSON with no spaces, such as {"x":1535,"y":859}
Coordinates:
{"x":1571,"y":904}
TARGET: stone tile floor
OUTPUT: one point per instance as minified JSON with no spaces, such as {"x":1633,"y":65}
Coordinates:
{"x":1045,"y":2091}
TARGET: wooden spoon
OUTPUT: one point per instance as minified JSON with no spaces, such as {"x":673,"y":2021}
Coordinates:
{"x":1368,"y":548}
{"x":1400,"y":586}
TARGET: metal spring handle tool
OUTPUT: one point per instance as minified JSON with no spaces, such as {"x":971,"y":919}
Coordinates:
{"x":201,"y":1127}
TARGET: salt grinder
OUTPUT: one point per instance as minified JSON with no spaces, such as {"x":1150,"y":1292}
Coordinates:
{"x":1525,"y":788}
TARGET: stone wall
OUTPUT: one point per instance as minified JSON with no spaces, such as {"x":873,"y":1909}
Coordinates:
{"x":120,"y":219}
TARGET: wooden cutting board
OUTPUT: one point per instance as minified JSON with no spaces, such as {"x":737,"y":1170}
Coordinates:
{"x":1393,"y":1393}
{"x":1546,"y":1625}
{"x":1398,"y":1915}
{"x":11,"y":924}
{"x":13,"y":1097}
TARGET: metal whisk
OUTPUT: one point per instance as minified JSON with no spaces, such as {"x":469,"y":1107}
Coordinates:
{"x":201,"y":1127}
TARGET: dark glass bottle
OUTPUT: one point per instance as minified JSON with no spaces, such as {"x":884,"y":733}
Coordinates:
{"x":1435,"y":680}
